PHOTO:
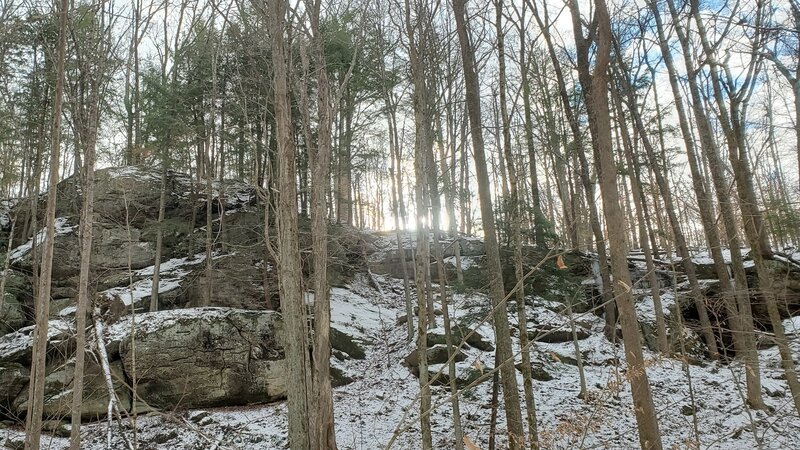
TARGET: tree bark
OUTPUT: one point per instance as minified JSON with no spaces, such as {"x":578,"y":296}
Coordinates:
{"x":516,"y":435}
{"x":595,"y":85}
{"x":33,"y":425}
{"x":320,"y":162}
{"x":289,"y":268}
{"x":516,"y":222}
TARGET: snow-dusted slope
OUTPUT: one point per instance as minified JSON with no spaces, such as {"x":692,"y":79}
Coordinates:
{"x":382,"y":401}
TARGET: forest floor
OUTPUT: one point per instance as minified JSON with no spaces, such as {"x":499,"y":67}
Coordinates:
{"x":381,"y":402}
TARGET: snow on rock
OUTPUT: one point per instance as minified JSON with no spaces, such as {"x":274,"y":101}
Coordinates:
{"x":356,"y":314}
{"x":153,"y":321}
{"x":136,"y":172}
{"x":18,"y":346}
{"x":646,"y":309}
{"x":62,"y":227}
{"x":382,"y":401}
{"x":467,"y":262}
{"x":5,"y":209}
{"x":791,"y":326}
{"x":704,"y":257}
{"x":171,"y":276}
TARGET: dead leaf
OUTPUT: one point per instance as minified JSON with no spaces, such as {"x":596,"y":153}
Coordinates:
{"x":560,"y":263}
{"x":469,"y":445}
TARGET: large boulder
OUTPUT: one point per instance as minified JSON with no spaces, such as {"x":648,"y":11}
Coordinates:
{"x":13,"y":378}
{"x":58,"y":387}
{"x":203,"y":357}
{"x":474,"y":339}
{"x":17,"y":347}
{"x":555,"y":334}
{"x":437,"y":354}
{"x":234,"y":283}
{"x":113,"y":247}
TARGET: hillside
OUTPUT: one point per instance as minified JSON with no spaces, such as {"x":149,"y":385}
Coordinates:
{"x":211,"y":375}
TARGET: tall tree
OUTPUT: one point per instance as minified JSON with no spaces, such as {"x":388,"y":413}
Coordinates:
{"x":516,"y":435}
{"x":33,"y":424}
{"x":516,"y":223}
{"x":416,"y":34}
{"x":289,"y":268}
{"x":320,"y":163}
{"x":595,"y":83}
{"x":93,"y":51}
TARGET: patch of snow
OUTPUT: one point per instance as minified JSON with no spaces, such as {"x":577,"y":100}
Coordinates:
{"x":133,"y":294}
{"x":68,"y":311}
{"x":704,"y":257}
{"x":356,"y":314}
{"x":646,"y":309}
{"x":382,"y":401}
{"x":62,"y":227}
{"x":136,"y":172}
{"x":792,"y":325}
{"x":466,"y":262}
{"x":173,"y":266}
{"x":171,"y":276}
{"x":21,"y":340}
{"x":152,"y":321}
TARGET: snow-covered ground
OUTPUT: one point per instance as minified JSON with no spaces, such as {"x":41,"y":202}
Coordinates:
{"x":381,"y":402}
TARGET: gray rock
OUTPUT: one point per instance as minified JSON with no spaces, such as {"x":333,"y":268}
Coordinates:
{"x":13,"y":378}
{"x":464,"y":376}
{"x":552,"y":334}
{"x":204,"y":357}
{"x":475,"y":340}
{"x":11,"y":316}
{"x":18,"y":346}
{"x":538,"y":372}
{"x":436,"y":355}
{"x":58,"y":391}
{"x":342,"y":342}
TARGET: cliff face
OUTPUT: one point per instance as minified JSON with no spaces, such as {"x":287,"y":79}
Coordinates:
{"x":183,"y":356}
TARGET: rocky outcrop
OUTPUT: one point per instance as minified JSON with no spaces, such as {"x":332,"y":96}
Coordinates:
{"x":183,"y":358}
{"x":202,"y":357}
{"x":58,"y":387}
{"x":17,"y":347}
{"x":228,"y":353}
{"x":555,"y":334}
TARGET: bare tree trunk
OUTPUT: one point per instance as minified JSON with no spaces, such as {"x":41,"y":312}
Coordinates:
{"x":92,"y":63}
{"x":677,"y":230}
{"x":595,"y":85}
{"x":289,"y":269}
{"x":739,"y":290}
{"x":638,"y":199}
{"x":442,"y":274}
{"x":415,"y":33}
{"x":516,"y":435}
{"x":397,"y":188}
{"x":320,"y":161}
{"x":516,"y":223}
{"x":33,"y":424}
{"x":588,"y":184}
